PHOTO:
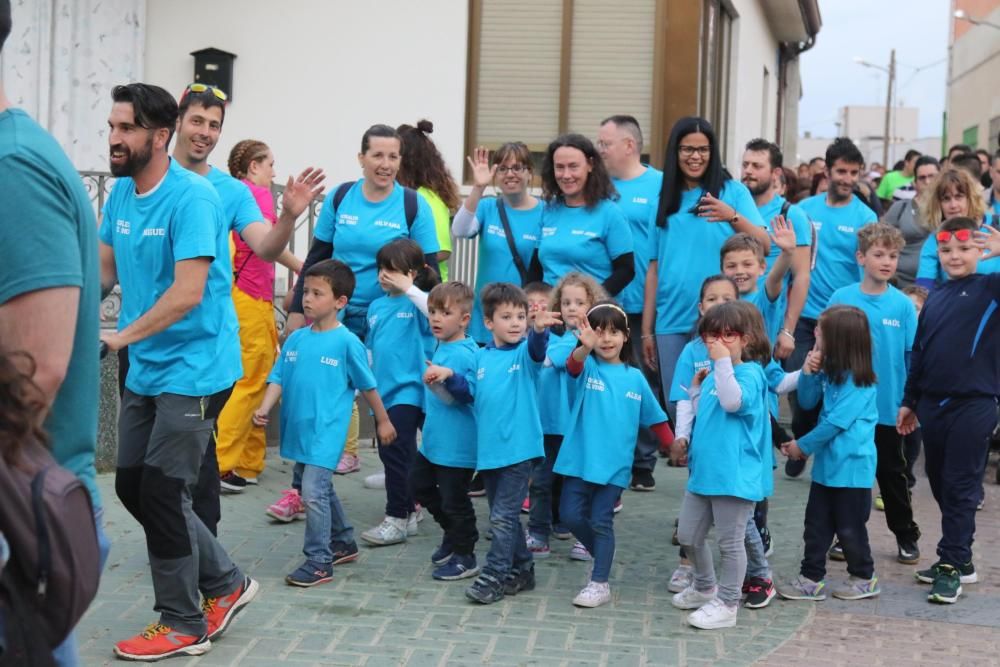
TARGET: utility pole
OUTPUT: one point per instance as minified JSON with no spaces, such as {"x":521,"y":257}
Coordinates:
{"x":888,"y":110}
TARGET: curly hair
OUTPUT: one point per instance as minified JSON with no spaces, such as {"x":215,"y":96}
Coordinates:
{"x":961,"y":182}
{"x":594,"y":291}
{"x":21,"y":405}
{"x":422,"y":165}
{"x":598,"y":185}
{"x":244,"y":154}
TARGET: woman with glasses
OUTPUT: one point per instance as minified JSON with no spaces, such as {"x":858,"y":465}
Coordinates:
{"x":701,"y":206}
{"x":905,"y":214}
{"x":508,"y":225}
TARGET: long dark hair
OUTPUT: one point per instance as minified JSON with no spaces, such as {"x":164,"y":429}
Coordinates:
{"x":422,"y":165}
{"x":609,"y":315}
{"x":405,"y":255}
{"x":847,"y":345}
{"x":598,"y":185}
{"x":673,"y":186}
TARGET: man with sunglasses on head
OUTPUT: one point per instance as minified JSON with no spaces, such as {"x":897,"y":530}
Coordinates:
{"x":164,"y":238}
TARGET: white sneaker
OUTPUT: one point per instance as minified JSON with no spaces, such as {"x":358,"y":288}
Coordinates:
{"x":376,"y":481}
{"x":714,"y":615}
{"x":412,"y":527}
{"x":390,"y":531}
{"x":579,"y":552}
{"x":682,"y":577}
{"x":690,"y":598}
{"x":594,"y":594}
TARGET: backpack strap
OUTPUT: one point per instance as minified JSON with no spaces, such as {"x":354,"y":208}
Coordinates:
{"x":410,"y":206}
{"x":41,"y":533}
{"x":784,"y":208}
{"x":340,"y":193}
{"x":518,"y":262}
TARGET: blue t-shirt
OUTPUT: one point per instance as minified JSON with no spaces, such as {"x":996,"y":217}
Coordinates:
{"x":892,"y":319}
{"x":363,"y":227}
{"x":773,"y":312}
{"x":848,"y":460}
{"x":318,"y":372}
{"x":555,"y":387}
{"x":577,"y":238}
{"x":930,"y":266}
{"x":639,"y":198}
{"x":836,"y":244}
{"x":687,"y":252}
{"x":694,"y":357}
{"x":495,"y":261}
{"x":612,"y":402}
{"x":179,"y":219}
{"x":729,"y":453}
{"x":796,"y":216}
{"x":449,"y":432}
{"x":504,"y":387}
{"x":238,"y":204}
{"x":400,"y":341}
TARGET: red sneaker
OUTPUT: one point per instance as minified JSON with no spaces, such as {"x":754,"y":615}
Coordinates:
{"x":158,"y":641}
{"x":219,"y":612}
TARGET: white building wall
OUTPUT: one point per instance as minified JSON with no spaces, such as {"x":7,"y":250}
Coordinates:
{"x":974,"y":70}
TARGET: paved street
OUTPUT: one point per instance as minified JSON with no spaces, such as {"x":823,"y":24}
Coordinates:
{"x":386,"y":610}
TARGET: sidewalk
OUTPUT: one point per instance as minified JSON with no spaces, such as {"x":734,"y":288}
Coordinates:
{"x":386,"y":610}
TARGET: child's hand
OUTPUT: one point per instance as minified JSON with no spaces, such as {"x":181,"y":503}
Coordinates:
{"x":783,"y":235}
{"x":718,"y":350}
{"x":678,"y":451}
{"x":792,"y":451}
{"x":259,"y":418}
{"x":386,"y":432}
{"x":395,"y":279}
{"x":906,"y":421}
{"x":435,"y":374}
{"x":989,"y":238}
{"x":699,"y":377}
{"x":586,"y":334}
{"x":813,"y":363}
{"x":543,"y":319}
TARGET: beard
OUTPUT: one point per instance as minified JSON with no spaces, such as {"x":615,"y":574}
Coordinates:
{"x":758,"y":188}
{"x":134,"y":162}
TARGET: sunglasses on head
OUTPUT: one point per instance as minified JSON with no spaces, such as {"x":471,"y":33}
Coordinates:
{"x":197,"y":88}
{"x":962,"y":235}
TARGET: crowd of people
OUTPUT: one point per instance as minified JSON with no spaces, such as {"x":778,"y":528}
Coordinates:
{"x":620,"y":315}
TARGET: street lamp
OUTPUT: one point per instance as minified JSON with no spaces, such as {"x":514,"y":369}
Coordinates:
{"x":891,"y":71}
{"x":962,"y":15}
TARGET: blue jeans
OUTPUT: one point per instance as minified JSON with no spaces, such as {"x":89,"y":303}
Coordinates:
{"x":505,"y":491}
{"x":588,"y":510}
{"x":326,"y":523}
{"x":66,"y":654}
{"x":544,"y":492}
{"x":668,"y":350}
{"x":757,"y":565}
{"x":356,"y":320}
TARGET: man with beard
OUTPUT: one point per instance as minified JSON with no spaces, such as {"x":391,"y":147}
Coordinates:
{"x":837,"y":215}
{"x":762,"y":162}
{"x":49,"y":290}
{"x":165,"y":240}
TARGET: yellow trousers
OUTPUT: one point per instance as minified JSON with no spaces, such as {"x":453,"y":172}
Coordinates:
{"x":240,"y":445}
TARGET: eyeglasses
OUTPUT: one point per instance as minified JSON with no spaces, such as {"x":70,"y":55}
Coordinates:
{"x":962,"y":235}
{"x":514,"y":169}
{"x":688,"y":151}
{"x":204,"y":88}
{"x":727,"y":336}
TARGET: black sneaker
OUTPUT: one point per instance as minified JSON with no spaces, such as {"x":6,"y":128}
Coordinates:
{"x":947,"y":585}
{"x":642,"y":480}
{"x":442,"y":554}
{"x":485,"y":590}
{"x":477,"y":487}
{"x":232,"y":483}
{"x":760,"y":592}
{"x":765,"y":539}
{"x":519,"y":582}
{"x":908,"y":553}
{"x":967,"y":573}
{"x":344,"y":553}
{"x":836,"y":552}
{"x":794,"y":467}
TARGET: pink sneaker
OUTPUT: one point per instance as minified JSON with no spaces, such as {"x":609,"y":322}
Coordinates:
{"x":348,"y":463}
{"x":526,"y":506}
{"x":288,"y":508}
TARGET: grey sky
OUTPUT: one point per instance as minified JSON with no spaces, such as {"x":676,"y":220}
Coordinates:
{"x":869,"y":29}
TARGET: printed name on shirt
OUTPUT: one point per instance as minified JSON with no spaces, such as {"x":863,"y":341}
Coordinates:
{"x":583,"y":232}
{"x":291,"y":355}
{"x":404,"y":316}
{"x":886,"y":322}
{"x":387,"y":223}
{"x":123,"y":227}
{"x":329,"y":361}
{"x":597,"y":384}
{"x":514,"y":368}
{"x":639,"y":200}
{"x":496,"y":230}
{"x":634,"y":396}
{"x":346,"y":219}
{"x":529,"y":237}
{"x":845,"y":228}
{"x":698,"y":365}
{"x":480,"y":373}
{"x":548,"y":231}
{"x":154,"y":231}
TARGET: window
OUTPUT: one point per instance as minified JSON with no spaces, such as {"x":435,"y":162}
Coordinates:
{"x":970,"y":136}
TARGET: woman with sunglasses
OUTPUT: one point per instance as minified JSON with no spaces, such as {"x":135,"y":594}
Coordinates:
{"x":954,"y":194}
{"x":508,"y":225}
{"x":701,"y":206}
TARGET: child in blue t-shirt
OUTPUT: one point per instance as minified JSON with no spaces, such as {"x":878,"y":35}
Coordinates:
{"x":573,"y":296}
{"x":446,"y":461}
{"x":504,"y":391}
{"x":613,"y":400}
{"x":399,"y":342}
{"x":729,"y":460}
{"x":319,"y":369}
{"x":892,"y":320}
{"x":838,"y":370}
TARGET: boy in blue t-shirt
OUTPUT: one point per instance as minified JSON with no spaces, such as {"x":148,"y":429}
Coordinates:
{"x":892,"y":320}
{"x":443,"y":468}
{"x":952,"y":388}
{"x":318,"y":371}
{"x":508,"y":429}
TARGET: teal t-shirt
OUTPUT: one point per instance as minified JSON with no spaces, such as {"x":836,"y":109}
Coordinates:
{"x":694,"y":357}
{"x":773,"y":312}
{"x":400,"y":341}
{"x":687,"y":251}
{"x":555,"y":387}
{"x":318,"y":372}
{"x":800,"y":225}
{"x":363,"y":227}
{"x":612,"y":402}
{"x":495,"y":261}
{"x":449,"y":432}
{"x":577,"y":238}
{"x":181,"y":218}
{"x":48,"y":239}
{"x":730,"y":451}
{"x":238,"y":204}
{"x":639,"y":198}
{"x":836,"y":244}
{"x":892,"y":319}
{"x":930,"y":266}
